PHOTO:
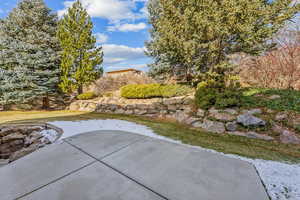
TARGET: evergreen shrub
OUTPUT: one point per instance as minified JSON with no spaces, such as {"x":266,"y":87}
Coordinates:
{"x":86,"y":96}
{"x":145,"y":91}
{"x":217,"y":93}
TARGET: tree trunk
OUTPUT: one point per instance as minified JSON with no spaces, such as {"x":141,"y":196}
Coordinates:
{"x":80,"y":90}
{"x":46,"y":103}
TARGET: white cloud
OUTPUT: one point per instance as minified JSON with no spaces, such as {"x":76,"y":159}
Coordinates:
{"x":116,"y":54}
{"x":113,"y":10}
{"x":101,"y":38}
{"x":128,"y":27}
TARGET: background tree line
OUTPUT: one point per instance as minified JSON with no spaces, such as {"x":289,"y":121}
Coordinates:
{"x":42,"y":56}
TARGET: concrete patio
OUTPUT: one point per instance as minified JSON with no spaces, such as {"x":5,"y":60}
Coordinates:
{"x":114,"y":165}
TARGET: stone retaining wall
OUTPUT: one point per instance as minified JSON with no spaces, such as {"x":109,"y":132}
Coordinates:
{"x":180,"y":109}
{"x":152,"y":107}
{"x":18,"y":140}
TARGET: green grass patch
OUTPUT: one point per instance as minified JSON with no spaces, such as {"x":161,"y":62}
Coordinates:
{"x":255,"y":97}
{"x":228,"y":144}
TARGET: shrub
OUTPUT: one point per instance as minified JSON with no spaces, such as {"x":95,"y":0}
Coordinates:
{"x":279,"y":69}
{"x":86,"y":96}
{"x":108,"y":84}
{"x":146,"y":91}
{"x":219,"y":92}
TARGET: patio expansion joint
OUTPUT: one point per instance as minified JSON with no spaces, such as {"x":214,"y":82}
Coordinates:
{"x":118,"y":171}
{"x":53,"y":181}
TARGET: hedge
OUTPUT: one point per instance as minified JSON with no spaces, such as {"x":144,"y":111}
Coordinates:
{"x":146,"y":91}
{"x":86,"y":96}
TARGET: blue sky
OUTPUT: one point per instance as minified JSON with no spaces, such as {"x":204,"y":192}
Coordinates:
{"x":119,"y":25}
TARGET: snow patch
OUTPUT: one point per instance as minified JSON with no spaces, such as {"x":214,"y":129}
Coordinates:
{"x":282,"y":180}
{"x":50,"y":134}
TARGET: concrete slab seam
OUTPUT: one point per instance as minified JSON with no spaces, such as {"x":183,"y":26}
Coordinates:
{"x":51,"y":182}
{"x":119,"y":172}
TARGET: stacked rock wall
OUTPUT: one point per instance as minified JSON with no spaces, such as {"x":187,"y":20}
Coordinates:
{"x":227,"y":121}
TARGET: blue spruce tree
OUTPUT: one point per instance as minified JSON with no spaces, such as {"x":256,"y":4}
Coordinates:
{"x":29,"y":60}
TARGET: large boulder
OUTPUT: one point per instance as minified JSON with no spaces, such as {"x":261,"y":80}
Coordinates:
{"x":286,"y":136}
{"x":221,"y":115}
{"x":211,"y":126}
{"x":250,"y":120}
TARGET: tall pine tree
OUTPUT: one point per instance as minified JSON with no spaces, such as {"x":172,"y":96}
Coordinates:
{"x":29,"y":60}
{"x":81,"y":59}
{"x":200,"y":35}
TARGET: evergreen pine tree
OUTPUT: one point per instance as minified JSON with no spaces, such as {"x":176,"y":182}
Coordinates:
{"x":202,"y":34}
{"x":29,"y":60}
{"x":81,"y":58}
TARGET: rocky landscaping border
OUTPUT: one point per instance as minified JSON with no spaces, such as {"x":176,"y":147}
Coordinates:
{"x":18,"y":140}
{"x":234,"y":121}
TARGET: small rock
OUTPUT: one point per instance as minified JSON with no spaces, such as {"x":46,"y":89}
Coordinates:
{"x":296,"y":121}
{"x":187,"y":109}
{"x":140,"y":112}
{"x":197,"y":124}
{"x":231,"y":126}
{"x":231,"y":111}
{"x":192,"y":120}
{"x":13,"y":136}
{"x":119,"y":111}
{"x":222,"y":116}
{"x":273,"y":97}
{"x":288,"y":137}
{"x":238,"y":133}
{"x":250,"y":120}
{"x":270,"y":111}
{"x":172,"y":107}
{"x":200,"y":113}
{"x":23,"y":152}
{"x":74,"y":106}
{"x":281,"y":116}
{"x":213,"y":126}
{"x":181,"y":116}
{"x":4,"y":131}
{"x":187,"y":100}
{"x":253,"y":135}
{"x":4,"y":162}
{"x":259,"y":136}
{"x":253,"y":111}
{"x":212,"y":111}
{"x":33,"y":138}
{"x":129,"y":112}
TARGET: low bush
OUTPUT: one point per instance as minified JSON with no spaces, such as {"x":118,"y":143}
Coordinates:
{"x":218,"y":90}
{"x":145,"y":91}
{"x":109,"y":84}
{"x":86,"y":96}
{"x":208,"y":94}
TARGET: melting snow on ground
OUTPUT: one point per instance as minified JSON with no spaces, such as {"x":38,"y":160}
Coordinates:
{"x":282,"y":180}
